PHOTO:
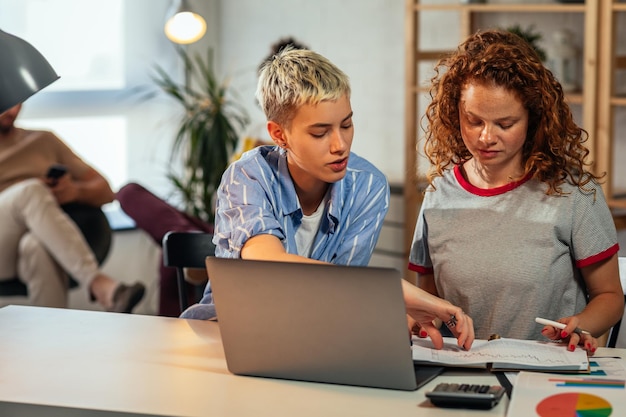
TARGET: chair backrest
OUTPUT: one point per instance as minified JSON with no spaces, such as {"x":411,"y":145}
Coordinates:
{"x":94,"y":225}
{"x":186,"y":250}
{"x":617,"y":338}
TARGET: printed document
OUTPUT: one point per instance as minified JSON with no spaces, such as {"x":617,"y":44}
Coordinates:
{"x":503,"y":354}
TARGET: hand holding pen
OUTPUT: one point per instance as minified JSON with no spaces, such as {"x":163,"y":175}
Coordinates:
{"x":570,"y":332}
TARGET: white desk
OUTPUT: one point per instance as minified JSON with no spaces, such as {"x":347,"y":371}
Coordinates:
{"x":56,"y":362}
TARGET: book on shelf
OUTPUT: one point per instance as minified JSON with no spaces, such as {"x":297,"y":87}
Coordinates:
{"x":503,"y":354}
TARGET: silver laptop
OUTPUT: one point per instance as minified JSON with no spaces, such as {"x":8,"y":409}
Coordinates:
{"x":314,"y":322}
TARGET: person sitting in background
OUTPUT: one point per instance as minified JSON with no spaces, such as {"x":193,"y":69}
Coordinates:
{"x":39,"y":243}
{"x":309,"y":198}
{"x":513,"y":224}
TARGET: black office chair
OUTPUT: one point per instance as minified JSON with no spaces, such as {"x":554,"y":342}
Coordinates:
{"x":186,"y":250}
{"x":95,"y":227}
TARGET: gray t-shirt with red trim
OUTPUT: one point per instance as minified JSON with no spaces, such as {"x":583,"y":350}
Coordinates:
{"x":510,"y":254}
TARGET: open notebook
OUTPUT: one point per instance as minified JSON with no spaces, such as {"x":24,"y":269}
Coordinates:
{"x":314,"y":322}
{"x":504,"y":354}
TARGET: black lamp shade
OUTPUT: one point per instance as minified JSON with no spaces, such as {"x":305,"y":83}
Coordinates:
{"x":23,"y":71}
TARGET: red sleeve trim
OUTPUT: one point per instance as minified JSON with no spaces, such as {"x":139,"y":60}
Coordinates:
{"x":598,"y":257}
{"x":420,"y":269}
{"x":579,"y":264}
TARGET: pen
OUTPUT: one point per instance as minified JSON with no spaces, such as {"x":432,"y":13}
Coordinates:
{"x":558,"y":325}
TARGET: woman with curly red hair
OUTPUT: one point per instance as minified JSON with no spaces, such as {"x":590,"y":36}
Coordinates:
{"x":513,"y":225}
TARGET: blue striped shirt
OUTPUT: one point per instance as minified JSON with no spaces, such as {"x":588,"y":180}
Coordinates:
{"x":257,"y":196}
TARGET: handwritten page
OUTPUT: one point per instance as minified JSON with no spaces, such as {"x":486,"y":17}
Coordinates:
{"x":503,"y":354}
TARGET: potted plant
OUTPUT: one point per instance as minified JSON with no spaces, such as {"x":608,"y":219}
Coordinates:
{"x":208,"y":133}
{"x":530,"y":36}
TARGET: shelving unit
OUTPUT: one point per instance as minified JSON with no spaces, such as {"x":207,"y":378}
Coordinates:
{"x":610,"y":101}
{"x":596,"y":100}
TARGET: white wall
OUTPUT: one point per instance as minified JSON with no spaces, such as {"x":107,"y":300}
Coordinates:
{"x":365,"y":38}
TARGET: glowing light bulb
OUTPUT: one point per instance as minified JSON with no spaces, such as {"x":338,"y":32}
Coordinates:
{"x":185,"y":27}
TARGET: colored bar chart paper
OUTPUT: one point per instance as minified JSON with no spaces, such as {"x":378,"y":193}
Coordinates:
{"x":588,"y":382}
{"x":601,"y":394}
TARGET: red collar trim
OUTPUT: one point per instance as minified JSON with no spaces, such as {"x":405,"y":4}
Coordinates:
{"x":487,"y":192}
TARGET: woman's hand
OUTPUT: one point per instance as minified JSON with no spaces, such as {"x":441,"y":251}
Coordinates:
{"x":570,"y":336}
{"x":423,"y":308}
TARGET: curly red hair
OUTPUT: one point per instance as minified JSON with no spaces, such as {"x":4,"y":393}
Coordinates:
{"x":554,"y":149}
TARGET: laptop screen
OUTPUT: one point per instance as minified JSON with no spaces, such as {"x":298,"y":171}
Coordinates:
{"x":313,"y":322}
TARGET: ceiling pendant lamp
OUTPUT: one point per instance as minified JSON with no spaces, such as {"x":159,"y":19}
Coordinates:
{"x":183,"y":25}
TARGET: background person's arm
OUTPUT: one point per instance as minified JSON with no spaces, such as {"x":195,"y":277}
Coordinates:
{"x":90,"y":187}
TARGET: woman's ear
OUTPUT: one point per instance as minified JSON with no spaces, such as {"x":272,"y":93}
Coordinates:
{"x":277,"y":133}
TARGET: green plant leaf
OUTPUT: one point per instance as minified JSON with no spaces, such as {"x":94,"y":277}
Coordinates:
{"x":530,"y":36}
{"x":208,"y":132}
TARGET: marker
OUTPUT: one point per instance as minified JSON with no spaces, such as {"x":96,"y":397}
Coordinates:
{"x":558,"y":325}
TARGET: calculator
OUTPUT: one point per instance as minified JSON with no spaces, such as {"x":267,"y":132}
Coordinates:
{"x":466,"y":395}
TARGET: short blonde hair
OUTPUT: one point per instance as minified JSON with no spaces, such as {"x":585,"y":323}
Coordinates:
{"x":295,"y":77}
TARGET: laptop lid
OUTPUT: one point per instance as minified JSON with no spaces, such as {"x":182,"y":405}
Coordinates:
{"x":314,"y":322}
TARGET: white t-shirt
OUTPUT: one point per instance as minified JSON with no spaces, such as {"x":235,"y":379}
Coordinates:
{"x":308,"y":229}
